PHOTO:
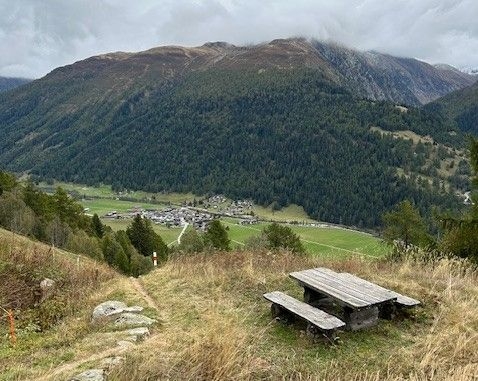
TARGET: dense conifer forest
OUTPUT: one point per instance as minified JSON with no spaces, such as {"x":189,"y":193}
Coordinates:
{"x":277,"y":137}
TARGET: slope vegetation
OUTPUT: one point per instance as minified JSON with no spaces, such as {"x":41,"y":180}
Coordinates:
{"x":461,"y":107}
{"x":217,"y":326}
{"x":7,"y":83}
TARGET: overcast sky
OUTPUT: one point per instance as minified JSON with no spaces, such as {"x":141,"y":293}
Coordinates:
{"x":38,"y":35}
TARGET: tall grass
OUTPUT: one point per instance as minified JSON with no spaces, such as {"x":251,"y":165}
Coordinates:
{"x":218,"y":327}
{"x":24,"y":264}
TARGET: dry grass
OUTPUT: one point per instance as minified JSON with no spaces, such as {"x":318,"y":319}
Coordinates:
{"x":218,"y":327}
{"x":43,"y":335}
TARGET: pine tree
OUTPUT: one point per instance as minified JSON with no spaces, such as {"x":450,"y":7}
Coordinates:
{"x":279,"y":236}
{"x":404,"y":223}
{"x":97,"y":226}
{"x":145,"y":239}
{"x":216,"y":236}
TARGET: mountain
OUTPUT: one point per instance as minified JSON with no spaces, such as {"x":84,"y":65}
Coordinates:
{"x":283,"y":122}
{"x":7,"y":83}
{"x":461,"y":107}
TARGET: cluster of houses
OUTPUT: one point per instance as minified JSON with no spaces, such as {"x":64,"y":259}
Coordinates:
{"x":212,"y":207}
{"x":171,"y":217}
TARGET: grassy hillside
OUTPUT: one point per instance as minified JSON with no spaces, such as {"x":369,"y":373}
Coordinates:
{"x":215,"y":325}
{"x":218,"y":327}
{"x":46,"y":331}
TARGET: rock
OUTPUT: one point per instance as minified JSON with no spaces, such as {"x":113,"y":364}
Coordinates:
{"x":108,"y":308}
{"x":90,"y":375}
{"x":111,"y":362}
{"x":125,"y":343}
{"x":138,"y":334}
{"x":133,"y":309}
{"x":47,"y":286}
{"x":130,"y":319}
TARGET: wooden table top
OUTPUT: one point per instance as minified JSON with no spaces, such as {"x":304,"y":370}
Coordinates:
{"x":348,"y":290}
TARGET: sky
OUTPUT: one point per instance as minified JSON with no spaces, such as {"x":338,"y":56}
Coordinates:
{"x":37,"y":36}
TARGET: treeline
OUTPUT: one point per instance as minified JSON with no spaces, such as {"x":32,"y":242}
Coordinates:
{"x":276,"y":137}
{"x":455,"y":234}
{"x":59,"y":220}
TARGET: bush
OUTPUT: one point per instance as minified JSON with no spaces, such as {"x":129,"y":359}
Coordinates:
{"x":280,"y":236}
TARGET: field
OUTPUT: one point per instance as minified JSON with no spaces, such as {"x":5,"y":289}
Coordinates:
{"x":324,"y":241}
{"x":321,"y":241}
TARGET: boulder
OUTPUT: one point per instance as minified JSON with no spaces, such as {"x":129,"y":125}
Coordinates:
{"x":110,"y":362}
{"x":47,"y":286}
{"x":134,"y":309}
{"x":138,"y":334}
{"x":90,"y":375}
{"x":108,"y":309}
{"x":130,"y":319}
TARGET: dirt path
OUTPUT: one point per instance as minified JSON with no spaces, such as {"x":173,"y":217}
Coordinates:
{"x":136,"y":283}
{"x":68,"y":367}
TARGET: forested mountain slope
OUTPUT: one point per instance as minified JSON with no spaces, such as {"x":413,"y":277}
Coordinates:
{"x":461,"y":107}
{"x":282,"y":122}
{"x":7,"y":83}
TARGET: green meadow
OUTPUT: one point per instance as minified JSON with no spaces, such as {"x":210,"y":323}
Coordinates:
{"x":333,"y":242}
{"x":324,"y":241}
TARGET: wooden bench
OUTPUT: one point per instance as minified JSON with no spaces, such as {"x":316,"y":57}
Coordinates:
{"x":319,"y":322}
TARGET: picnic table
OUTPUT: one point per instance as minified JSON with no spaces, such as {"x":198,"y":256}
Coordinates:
{"x":362,"y":302}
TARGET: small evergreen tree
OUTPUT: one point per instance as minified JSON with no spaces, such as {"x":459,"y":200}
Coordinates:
{"x":145,"y":239}
{"x":405,"y":224}
{"x":97,"y":227}
{"x":191,"y":242}
{"x":281,"y":236}
{"x":216,"y":236}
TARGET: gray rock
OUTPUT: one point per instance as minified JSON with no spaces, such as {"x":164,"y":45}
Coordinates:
{"x":108,"y":308}
{"x":130,"y":319}
{"x":133,"y":309}
{"x":47,"y":286}
{"x":90,"y":375}
{"x":111,"y":362}
{"x":139,"y":333}
{"x":125,"y":343}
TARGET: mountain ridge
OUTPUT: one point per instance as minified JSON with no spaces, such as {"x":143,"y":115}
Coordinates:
{"x":8,"y":83}
{"x":370,"y":74}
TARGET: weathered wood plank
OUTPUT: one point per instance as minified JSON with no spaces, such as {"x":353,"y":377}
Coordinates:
{"x":317,"y":317}
{"x":340,"y":290}
{"x":402,"y":300}
{"x":373,"y":295}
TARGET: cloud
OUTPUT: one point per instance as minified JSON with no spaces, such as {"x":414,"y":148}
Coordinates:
{"x":37,"y":36}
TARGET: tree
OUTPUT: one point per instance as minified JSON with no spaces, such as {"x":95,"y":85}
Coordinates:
{"x":404,"y":223}
{"x":145,"y":239}
{"x":191,"y":242}
{"x":281,"y":236}
{"x":460,"y":236}
{"x":97,"y":226}
{"x":7,"y":182}
{"x":114,"y":254}
{"x":216,"y":236}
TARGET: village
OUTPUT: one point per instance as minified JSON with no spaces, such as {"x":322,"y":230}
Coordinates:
{"x":197,"y":214}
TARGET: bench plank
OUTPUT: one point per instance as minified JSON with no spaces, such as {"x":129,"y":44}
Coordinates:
{"x":317,"y":317}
